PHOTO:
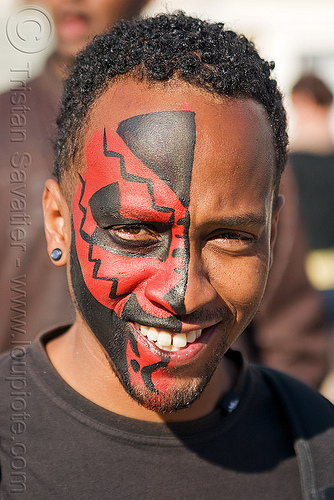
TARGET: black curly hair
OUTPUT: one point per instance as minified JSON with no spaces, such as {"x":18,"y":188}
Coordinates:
{"x":158,"y":49}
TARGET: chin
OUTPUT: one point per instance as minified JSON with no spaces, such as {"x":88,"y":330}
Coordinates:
{"x":170,"y":401}
{"x":173,"y":393}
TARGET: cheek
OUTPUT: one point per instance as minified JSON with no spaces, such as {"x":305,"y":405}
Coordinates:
{"x":111,"y":278}
{"x":240,"y":282}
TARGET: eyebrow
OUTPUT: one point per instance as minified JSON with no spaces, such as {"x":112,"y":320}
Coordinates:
{"x":249,"y":219}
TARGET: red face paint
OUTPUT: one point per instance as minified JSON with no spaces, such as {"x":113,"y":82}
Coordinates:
{"x":137,"y":182}
{"x":114,"y":268}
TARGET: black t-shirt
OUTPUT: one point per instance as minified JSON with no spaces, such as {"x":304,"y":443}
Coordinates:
{"x":55,"y":444}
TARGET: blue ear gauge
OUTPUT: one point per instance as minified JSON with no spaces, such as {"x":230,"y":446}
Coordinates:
{"x":56,"y":254}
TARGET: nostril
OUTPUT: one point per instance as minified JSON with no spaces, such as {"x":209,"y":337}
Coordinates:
{"x":163,"y":308}
{"x":166,"y":295}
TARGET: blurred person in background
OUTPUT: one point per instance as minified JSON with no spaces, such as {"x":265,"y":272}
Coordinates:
{"x":312,"y":159}
{"x":28,"y":111}
{"x":288,"y":333}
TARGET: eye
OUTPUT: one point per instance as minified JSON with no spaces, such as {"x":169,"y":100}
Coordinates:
{"x":136,"y":234}
{"x":232,"y":240}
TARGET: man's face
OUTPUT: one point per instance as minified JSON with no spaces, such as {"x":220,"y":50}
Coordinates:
{"x":77,"y":21}
{"x":171,"y":230}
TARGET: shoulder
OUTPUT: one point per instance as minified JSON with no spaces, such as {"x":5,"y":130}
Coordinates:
{"x":4,"y":363}
{"x":309,"y":418}
{"x":306,"y":407}
{"x":24,"y":91}
{"x":13,"y":363}
{"x":291,"y":387}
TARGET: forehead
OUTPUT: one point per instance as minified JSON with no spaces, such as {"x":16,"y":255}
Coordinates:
{"x":234,"y":143}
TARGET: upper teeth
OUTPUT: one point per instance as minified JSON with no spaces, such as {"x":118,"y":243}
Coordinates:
{"x":169,"y":341}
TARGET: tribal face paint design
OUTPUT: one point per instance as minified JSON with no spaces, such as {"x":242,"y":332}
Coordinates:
{"x":130,"y":248}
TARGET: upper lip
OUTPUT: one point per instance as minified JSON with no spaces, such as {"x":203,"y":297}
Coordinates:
{"x":186,"y":328}
{"x":198,"y":320}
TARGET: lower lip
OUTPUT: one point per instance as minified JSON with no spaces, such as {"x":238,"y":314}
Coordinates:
{"x":184,"y":355}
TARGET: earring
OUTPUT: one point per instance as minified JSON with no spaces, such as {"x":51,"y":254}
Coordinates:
{"x":56,"y":254}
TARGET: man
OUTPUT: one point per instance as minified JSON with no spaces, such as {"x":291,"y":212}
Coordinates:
{"x":288,"y":332}
{"x":28,"y":281}
{"x":171,"y":142}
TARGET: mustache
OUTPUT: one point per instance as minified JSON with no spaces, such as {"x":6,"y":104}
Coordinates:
{"x":207,"y":316}
{"x":133,"y":312}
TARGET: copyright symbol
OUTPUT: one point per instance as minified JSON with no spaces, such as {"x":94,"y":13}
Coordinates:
{"x":30,"y":29}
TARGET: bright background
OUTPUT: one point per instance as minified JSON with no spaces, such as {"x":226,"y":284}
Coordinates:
{"x":297,"y":34}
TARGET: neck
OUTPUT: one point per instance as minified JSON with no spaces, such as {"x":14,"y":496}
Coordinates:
{"x":81,"y":362}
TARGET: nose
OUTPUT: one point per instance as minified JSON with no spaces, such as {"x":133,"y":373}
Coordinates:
{"x":199,"y":290}
{"x":166,"y":289}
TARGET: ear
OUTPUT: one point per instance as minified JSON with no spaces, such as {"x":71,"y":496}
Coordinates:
{"x":278,"y":205}
{"x":56,"y":222}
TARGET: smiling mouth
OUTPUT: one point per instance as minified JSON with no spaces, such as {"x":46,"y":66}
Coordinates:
{"x":168,"y":341}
